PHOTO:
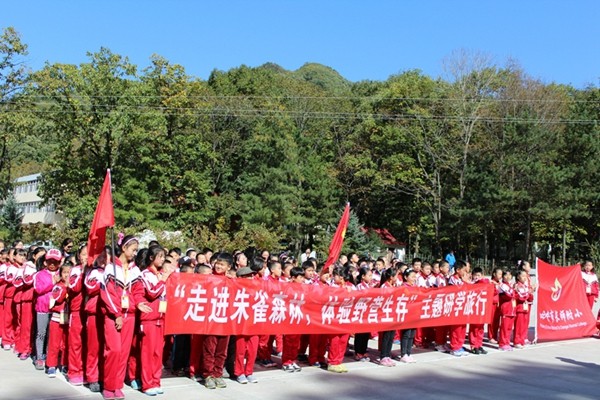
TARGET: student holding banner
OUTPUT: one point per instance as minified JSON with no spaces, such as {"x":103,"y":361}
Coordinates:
{"x":590,"y":280}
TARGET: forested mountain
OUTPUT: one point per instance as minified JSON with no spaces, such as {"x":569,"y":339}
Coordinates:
{"x":488,"y":161}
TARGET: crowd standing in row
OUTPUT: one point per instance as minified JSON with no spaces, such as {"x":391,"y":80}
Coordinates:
{"x":103,"y":324}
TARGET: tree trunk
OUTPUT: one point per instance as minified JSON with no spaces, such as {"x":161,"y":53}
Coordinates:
{"x":564,"y":245}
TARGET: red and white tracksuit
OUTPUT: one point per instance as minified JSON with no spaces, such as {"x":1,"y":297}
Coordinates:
{"x":590,"y":281}
{"x":117,"y":301}
{"x":494,"y":327}
{"x":523,"y":297}
{"x":457,"y":332}
{"x":424,"y":336}
{"x":76,"y":319}
{"x":24,"y":280}
{"x":8,"y":339}
{"x":2,"y":290}
{"x":59,"y":326}
{"x":441,"y":332}
{"x":476,"y":331}
{"x":150,"y":290}
{"x":507,"y":312}
{"x":94,"y":326}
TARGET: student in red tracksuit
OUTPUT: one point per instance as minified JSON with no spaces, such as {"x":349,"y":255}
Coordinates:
{"x":425,"y":279}
{"x":214,"y":348}
{"x":246,"y":346}
{"x":523,"y":296}
{"x":3,"y":266}
{"x":75,"y":290}
{"x":507,"y":311}
{"x":291,"y":343}
{"x":340,"y":277}
{"x":458,"y":332}
{"x":59,"y":322}
{"x":590,"y":281}
{"x":150,"y":296}
{"x":8,"y":340}
{"x":118,"y":308}
{"x":196,"y":342}
{"x":495,"y":325}
{"x":23,"y":346}
{"x":364,"y":281}
{"x":476,"y":331}
{"x":310,"y":278}
{"x":317,"y":343}
{"x":19,"y":262}
{"x":265,"y":342}
{"x":441,"y":332}
{"x":94,"y":322}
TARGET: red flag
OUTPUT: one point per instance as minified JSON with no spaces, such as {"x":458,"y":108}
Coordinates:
{"x":337,"y":242}
{"x":104,"y":217}
{"x":563,"y":310}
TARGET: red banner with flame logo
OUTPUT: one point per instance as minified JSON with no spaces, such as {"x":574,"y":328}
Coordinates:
{"x":563,"y":310}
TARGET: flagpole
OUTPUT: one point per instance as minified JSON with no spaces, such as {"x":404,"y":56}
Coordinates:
{"x":537,"y":288}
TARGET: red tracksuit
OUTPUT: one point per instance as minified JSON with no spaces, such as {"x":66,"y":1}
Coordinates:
{"x":8,"y":339}
{"x":338,"y":343}
{"x":457,"y":332}
{"x":246,"y":348}
{"x":196,"y":345}
{"x":495,"y":325}
{"x":117,"y":301}
{"x":25,"y":276}
{"x":94,"y":326}
{"x":2,"y":289}
{"x":590,"y":281}
{"x":522,"y":296}
{"x":476,"y":330}
{"x":441,"y":332}
{"x":214,"y":353}
{"x":150,"y":289}
{"x":59,"y":326}
{"x":75,"y":341}
{"x":507,"y":311}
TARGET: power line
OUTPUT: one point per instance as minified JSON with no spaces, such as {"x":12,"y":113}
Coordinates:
{"x":107,"y":109}
{"x":336,"y":98}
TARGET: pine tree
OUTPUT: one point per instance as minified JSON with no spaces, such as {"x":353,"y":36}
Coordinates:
{"x":11,"y":218}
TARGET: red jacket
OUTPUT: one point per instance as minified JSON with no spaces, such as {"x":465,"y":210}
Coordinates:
{"x":76,"y":288}
{"x":149,"y":289}
{"x":59,"y":298}
{"x":507,"y":300}
{"x":116,"y":291}
{"x":92,"y":282}
{"x":522,"y":296}
{"x":9,"y":277}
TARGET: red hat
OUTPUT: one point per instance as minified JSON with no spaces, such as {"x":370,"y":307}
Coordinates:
{"x":54,"y":254}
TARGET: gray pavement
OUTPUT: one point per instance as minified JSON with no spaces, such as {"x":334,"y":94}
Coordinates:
{"x":554,"y":370}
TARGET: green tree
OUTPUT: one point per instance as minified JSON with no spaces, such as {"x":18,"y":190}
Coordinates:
{"x":11,"y":218}
{"x":13,"y":75}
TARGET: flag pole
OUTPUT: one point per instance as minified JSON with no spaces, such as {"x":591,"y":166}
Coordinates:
{"x":537,"y":288}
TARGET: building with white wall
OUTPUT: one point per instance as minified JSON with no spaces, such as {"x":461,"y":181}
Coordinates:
{"x":30,"y":204}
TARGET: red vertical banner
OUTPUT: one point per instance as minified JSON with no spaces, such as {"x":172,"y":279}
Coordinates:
{"x":563,"y":310}
{"x":335,"y":248}
{"x":104,"y":217}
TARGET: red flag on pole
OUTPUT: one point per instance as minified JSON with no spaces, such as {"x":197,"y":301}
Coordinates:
{"x":104,"y":217}
{"x":337,"y":242}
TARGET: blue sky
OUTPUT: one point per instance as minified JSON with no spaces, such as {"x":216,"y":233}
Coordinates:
{"x":555,"y":41}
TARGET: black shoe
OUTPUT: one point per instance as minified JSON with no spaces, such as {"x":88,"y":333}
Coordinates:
{"x":482,"y":350}
{"x":475,"y":351}
{"x":302,"y":358}
{"x":94,"y":387}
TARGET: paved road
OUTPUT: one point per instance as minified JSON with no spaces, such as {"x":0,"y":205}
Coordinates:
{"x":558,"y":370}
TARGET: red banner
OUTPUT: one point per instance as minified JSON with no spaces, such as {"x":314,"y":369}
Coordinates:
{"x":563,"y":310}
{"x":337,"y":241}
{"x":208,"y":304}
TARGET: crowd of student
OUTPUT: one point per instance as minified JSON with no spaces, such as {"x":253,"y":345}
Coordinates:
{"x":103,"y":324}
